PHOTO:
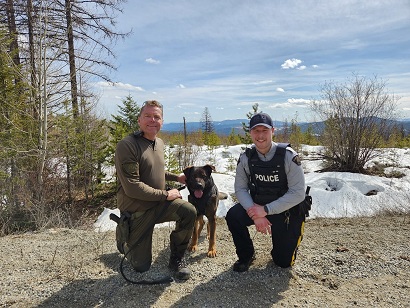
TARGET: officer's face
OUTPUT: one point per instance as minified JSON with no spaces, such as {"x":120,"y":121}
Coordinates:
{"x":262,"y":138}
{"x":150,"y":121}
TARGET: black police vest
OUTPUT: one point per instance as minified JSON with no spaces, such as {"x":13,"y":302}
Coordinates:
{"x":268,"y":180}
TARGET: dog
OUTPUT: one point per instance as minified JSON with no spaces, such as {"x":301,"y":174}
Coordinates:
{"x":204,"y":195}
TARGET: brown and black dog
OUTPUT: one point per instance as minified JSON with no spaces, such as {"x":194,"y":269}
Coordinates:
{"x":204,"y":195}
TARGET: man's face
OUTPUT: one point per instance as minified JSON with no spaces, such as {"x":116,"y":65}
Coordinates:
{"x":150,"y":121}
{"x":262,"y":138}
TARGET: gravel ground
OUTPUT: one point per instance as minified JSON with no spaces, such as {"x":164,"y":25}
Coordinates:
{"x":346,"y":262}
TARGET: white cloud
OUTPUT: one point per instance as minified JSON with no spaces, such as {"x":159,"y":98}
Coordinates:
{"x":404,"y":104}
{"x":152,"y":61}
{"x":183,"y":105}
{"x":301,"y":68}
{"x":263,"y":82}
{"x":119,"y":86}
{"x":291,"y":63}
{"x":315,"y":66}
{"x":128,"y":86}
{"x":300,"y":102}
{"x":280,"y":90}
{"x":104,"y":84}
{"x":181,"y":86}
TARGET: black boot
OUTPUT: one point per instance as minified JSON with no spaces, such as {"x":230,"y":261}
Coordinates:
{"x":243,"y":265}
{"x":178,"y":265}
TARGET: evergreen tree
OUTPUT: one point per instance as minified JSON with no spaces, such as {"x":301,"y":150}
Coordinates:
{"x":245,"y":126}
{"x":18,"y":149}
{"x":295,"y":135}
{"x":309,"y":136}
{"x":207,"y":126}
{"x":233,"y":139}
{"x":123,"y":124}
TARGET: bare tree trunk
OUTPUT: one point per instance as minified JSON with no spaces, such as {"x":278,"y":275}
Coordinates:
{"x":43,"y":136}
{"x":35,"y":102}
{"x":11,"y":20}
{"x":33,"y":78}
{"x":71,"y":59}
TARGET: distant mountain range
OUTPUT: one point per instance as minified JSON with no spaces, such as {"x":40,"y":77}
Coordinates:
{"x":221,"y":127}
{"x":225,"y":127}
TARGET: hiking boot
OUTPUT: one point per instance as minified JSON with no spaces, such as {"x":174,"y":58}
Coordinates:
{"x":243,"y":265}
{"x":178,"y":265}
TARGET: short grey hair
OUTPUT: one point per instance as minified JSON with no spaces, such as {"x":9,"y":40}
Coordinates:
{"x":152,"y":103}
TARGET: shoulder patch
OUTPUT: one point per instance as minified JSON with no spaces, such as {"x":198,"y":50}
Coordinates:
{"x":296,"y":160}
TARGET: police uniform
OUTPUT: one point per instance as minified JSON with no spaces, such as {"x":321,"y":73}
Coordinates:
{"x":280,"y":188}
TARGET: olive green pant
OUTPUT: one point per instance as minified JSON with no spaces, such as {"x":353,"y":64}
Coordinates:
{"x":142,"y":225}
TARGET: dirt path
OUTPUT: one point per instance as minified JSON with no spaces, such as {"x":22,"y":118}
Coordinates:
{"x":363,"y":262}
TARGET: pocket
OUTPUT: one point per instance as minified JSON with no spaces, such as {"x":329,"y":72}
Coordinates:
{"x":123,"y":231}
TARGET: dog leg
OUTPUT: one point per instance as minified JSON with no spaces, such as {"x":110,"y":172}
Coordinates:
{"x":193,"y":246}
{"x":211,"y":228}
{"x":201,"y":224}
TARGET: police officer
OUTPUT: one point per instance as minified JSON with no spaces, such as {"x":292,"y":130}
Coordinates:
{"x":269,"y":185}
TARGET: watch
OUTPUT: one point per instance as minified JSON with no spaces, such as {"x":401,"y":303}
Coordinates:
{"x":266,"y":209}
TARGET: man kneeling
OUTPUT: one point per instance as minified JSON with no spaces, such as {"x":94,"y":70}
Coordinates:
{"x":140,"y":167}
{"x":269,"y":185}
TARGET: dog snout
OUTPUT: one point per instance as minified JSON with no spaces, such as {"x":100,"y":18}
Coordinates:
{"x":199,"y":185}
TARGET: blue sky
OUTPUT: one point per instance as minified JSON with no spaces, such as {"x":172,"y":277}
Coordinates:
{"x":228,"y":55}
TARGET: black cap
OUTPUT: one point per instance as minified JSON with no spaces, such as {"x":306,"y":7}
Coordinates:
{"x":261,"y":119}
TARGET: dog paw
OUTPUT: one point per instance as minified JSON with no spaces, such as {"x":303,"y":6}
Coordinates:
{"x":192,"y":248}
{"x":212,"y":253}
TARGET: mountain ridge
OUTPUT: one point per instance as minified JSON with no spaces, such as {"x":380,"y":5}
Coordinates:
{"x":225,"y":127}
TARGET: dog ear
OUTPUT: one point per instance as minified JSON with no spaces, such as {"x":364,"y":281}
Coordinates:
{"x":187,"y":171}
{"x":209,"y":169}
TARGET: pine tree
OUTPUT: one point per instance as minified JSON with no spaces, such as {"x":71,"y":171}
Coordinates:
{"x":247,"y":138}
{"x":207,"y":126}
{"x":123,"y":124}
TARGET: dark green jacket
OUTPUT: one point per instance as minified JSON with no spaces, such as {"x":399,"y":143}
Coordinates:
{"x":141,"y":173}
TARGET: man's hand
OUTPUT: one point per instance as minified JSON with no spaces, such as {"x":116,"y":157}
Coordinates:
{"x":257,"y":214}
{"x":182,"y":178}
{"x":263,"y":225}
{"x":173,"y":194}
{"x":256,"y":211}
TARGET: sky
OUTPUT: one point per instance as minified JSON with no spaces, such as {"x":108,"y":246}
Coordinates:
{"x":227,"y":55}
{"x":334,"y":194}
